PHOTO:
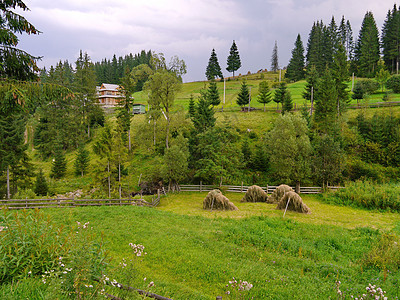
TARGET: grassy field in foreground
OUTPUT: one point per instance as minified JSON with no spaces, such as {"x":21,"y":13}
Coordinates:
{"x":193,"y":254}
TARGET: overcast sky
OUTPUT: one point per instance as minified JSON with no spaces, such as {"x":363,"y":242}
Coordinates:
{"x":187,"y":28}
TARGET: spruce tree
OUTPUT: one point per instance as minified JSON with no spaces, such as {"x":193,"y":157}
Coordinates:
{"x":213,"y":68}
{"x":280,"y":94}
{"x":233,"y":60}
{"x":315,"y":49}
{"x":59,"y":165}
{"x":41,"y":188}
{"x":367,"y":51}
{"x":274,"y":58}
{"x":264,"y":94}
{"x":346,"y":37}
{"x":391,"y":40}
{"x":203,"y":117}
{"x":212,"y":94}
{"x":81,"y":161}
{"x":295,"y":69}
{"x":312,"y":79}
{"x":244,"y":95}
{"x":192,"y":109}
{"x":340,"y":74}
{"x":287,"y":104}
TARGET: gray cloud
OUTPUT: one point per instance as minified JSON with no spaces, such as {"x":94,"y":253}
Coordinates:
{"x":187,"y":28}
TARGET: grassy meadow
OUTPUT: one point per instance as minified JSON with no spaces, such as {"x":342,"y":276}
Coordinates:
{"x":193,"y":254}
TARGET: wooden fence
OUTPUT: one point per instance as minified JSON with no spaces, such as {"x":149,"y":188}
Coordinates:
{"x":71,"y":202}
{"x":243,"y":188}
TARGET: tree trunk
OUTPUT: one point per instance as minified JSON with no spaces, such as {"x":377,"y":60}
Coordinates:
{"x":167,"y":138}
{"x":129,"y":140}
{"x":88,"y":130}
{"x":264,"y":107}
{"x":119,"y":179}
{"x":109,"y":180}
{"x":297,"y":189}
{"x":8,"y":183}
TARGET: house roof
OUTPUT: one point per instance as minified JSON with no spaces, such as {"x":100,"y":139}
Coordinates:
{"x":109,"y":86}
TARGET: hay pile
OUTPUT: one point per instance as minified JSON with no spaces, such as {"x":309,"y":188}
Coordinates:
{"x":255,"y":194}
{"x":215,"y":200}
{"x":295,"y":203}
{"x":277,"y":195}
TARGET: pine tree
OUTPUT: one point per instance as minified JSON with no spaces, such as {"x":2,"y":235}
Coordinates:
{"x":233,"y":60}
{"x":41,"y":188}
{"x":367,"y":52}
{"x":212,"y":94}
{"x":311,"y":83}
{"x":280,"y":94}
{"x":59,"y":165}
{"x":340,"y":74}
{"x":274,"y":58}
{"x":287,"y":104}
{"x":325,"y":103}
{"x":264,"y":94}
{"x":81,"y":161}
{"x":346,"y":37}
{"x":203,"y":118}
{"x":295,"y":69}
{"x":314,"y":55}
{"x":391,"y":40}
{"x":213,"y":68}
{"x":192,"y":109}
{"x":244,"y":95}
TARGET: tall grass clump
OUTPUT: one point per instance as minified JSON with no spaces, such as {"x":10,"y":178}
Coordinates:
{"x":367,"y":195}
{"x":65,"y":262}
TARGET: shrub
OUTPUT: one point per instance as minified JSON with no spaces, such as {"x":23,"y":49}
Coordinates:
{"x":30,"y":244}
{"x":394,"y":83}
{"x":368,"y":86}
{"x":367,"y":195}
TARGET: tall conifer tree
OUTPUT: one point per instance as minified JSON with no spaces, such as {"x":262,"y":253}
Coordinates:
{"x":213,"y":68}
{"x":391,"y":40}
{"x":295,"y":69}
{"x":274,"y":58}
{"x":233,"y":60}
{"x":367,"y":51}
{"x":244,"y":95}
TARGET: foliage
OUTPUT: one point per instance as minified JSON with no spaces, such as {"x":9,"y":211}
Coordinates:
{"x":382,"y":77}
{"x":312,"y":79}
{"x":176,"y":162}
{"x":175,"y":66}
{"x":327,"y":160}
{"x":346,"y":37}
{"x":393,"y":83}
{"x":290,"y":149}
{"x":30,"y":245}
{"x":41,"y":188}
{"x":390,"y":39}
{"x":162,"y":87}
{"x":59,"y":165}
{"x":213,"y":69}
{"x":367,"y":195}
{"x":365,"y":86}
{"x":212,"y":94}
{"x":233,"y":60}
{"x":385,"y":254}
{"x":340,"y":73}
{"x":81,"y":161}
{"x":264,"y":95}
{"x":295,"y":69}
{"x":243,"y":97}
{"x":287,"y":104}
{"x":15,"y":63}
{"x":204,"y":115}
{"x":274,"y":58}
{"x":367,"y":50}
{"x":281,"y":93}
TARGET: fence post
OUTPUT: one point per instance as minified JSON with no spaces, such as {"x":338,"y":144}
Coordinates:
{"x":201,"y":185}
{"x":241,"y":189}
{"x":267,"y":188}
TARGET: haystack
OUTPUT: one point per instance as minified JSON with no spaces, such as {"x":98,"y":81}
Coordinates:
{"x":215,"y":200}
{"x":255,"y":194}
{"x":295,"y":203}
{"x":277,"y":195}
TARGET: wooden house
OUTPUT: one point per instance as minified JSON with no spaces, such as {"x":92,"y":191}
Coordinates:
{"x":109,"y":94}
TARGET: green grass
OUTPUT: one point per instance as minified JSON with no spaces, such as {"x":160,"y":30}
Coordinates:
{"x":192,"y":253}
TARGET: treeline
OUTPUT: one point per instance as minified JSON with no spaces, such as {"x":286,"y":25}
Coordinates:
{"x":363,"y":54}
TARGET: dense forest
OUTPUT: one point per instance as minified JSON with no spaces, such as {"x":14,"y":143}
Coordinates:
{"x":319,"y":144}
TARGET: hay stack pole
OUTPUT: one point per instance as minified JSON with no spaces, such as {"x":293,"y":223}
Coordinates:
{"x":287,"y":204}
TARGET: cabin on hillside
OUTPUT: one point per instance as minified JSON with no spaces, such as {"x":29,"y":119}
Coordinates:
{"x":109,"y":95}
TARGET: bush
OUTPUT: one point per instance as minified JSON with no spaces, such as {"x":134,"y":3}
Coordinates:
{"x":394,"y":83}
{"x":366,"y":86}
{"x":367,"y":195}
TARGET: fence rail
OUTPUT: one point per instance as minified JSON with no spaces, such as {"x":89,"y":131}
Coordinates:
{"x":243,"y":188}
{"x":71,"y":202}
